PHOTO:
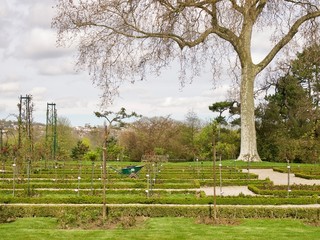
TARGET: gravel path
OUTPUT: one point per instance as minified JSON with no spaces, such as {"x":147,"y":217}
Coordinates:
{"x":277,"y":178}
{"x":228,"y":191}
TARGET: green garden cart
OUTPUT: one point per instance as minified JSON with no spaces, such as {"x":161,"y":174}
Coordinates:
{"x":130,"y":171}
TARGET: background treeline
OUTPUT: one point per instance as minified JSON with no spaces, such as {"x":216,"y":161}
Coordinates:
{"x":181,"y":140}
{"x":287,"y":124}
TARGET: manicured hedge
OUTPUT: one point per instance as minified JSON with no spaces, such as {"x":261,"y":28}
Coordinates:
{"x":91,"y":212}
{"x":303,"y":172}
{"x":179,"y":199}
{"x":132,"y":184}
{"x":307,"y":176}
{"x":282,"y":190}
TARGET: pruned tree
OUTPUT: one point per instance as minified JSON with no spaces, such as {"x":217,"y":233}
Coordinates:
{"x":220,"y":107}
{"x":120,"y":40}
{"x":111,"y":118}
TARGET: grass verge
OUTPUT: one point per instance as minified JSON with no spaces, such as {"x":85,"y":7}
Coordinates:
{"x":164,"y":228}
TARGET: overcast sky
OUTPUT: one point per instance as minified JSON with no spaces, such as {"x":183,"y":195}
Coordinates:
{"x":32,"y":64}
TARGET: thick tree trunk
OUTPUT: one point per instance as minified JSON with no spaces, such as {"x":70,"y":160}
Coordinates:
{"x":248,"y":149}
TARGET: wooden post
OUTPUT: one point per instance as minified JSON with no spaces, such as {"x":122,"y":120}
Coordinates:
{"x":104,"y":172}
{"x":214,"y":175}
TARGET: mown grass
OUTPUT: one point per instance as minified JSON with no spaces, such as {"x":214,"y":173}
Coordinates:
{"x":164,"y":229}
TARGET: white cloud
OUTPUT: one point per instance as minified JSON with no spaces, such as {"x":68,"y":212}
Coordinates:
{"x":218,"y":93}
{"x":60,"y":66}
{"x":261,"y":44}
{"x":5,"y":24}
{"x":8,"y":88}
{"x":40,"y":14}
{"x":174,"y":102}
{"x":9,"y":106}
{"x":41,"y":44}
{"x":38,"y":92}
{"x":3,"y":8}
{"x":74,"y":104}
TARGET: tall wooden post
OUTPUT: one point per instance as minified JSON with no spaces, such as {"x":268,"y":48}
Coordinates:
{"x":104,"y":172}
{"x":214,"y":175}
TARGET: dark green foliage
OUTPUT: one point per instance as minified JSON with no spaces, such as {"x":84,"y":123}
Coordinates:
{"x":227,"y":144}
{"x":305,"y":172}
{"x":75,"y":215}
{"x":92,"y":156}
{"x":282,"y":191}
{"x":221,"y":107}
{"x":79,"y":150}
{"x":306,"y":68}
{"x":114,"y":149}
{"x":275,"y":197}
{"x":287,"y":124}
{"x":234,"y":108}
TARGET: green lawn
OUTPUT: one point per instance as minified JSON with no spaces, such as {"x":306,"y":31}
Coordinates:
{"x":163,"y":228}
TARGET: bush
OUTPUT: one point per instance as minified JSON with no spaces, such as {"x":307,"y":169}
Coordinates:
{"x":282,"y":190}
{"x":5,"y":215}
{"x":72,"y":216}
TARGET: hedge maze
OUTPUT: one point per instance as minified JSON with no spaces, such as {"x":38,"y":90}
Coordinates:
{"x":170,"y":185}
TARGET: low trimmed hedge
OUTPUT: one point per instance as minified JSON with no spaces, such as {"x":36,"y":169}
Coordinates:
{"x":179,"y":199}
{"x":137,"y":184}
{"x":91,"y":212}
{"x":282,"y":190}
{"x":307,"y":176}
{"x":306,"y":173}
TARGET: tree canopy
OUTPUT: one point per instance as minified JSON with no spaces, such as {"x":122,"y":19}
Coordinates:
{"x":288,"y":122}
{"x":125,"y":40}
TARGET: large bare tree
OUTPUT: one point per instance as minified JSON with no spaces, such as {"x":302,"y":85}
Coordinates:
{"x":122,"y":40}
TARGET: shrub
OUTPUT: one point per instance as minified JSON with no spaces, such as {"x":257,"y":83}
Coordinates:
{"x":71,"y":216}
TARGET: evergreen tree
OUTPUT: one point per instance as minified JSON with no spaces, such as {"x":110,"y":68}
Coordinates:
{"x":287,"y":124}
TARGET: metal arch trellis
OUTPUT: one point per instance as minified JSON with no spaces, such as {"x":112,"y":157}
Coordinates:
{"x":25,"y":121}
{"x":25,"y":140}
{"x":51,"y":129}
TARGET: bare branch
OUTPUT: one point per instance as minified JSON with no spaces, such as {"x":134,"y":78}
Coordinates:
{"x":287,"y":38}
{"x":237,"y":7}
{"x":116,"y":36}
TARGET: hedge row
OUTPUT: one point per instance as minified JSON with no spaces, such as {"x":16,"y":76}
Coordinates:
{"x":307,"y":176}
{"x":200,"y":175}
{"x":63,"y":193}
{"x":307,"y":173}
{"x":282,"y":191}
{"x":179,"y":199}
{"x":111,"y":185}
{"x":165,"y":176}
{"x":270,"y":186}
{"x":89,"y":213}
{"x":160,"y":184}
